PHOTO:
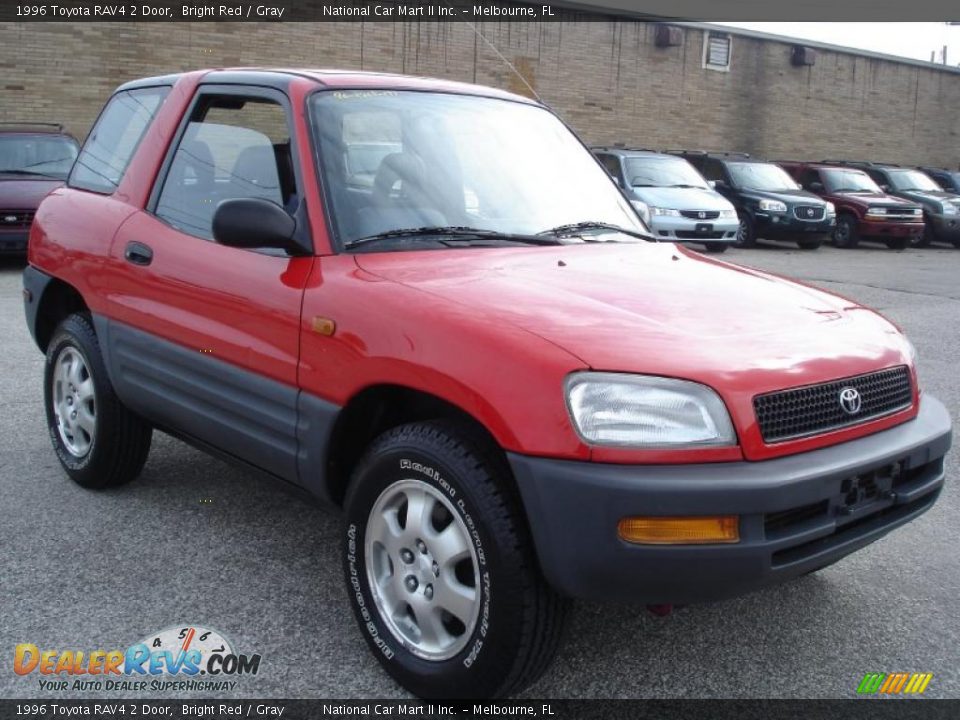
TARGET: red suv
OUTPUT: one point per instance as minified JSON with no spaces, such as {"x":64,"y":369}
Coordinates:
{"x":34,"y":159}
{"x":864,"y":210}
{"x":428,"y":306}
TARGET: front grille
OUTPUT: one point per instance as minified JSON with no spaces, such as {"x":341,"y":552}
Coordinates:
{"x":692,"y":235}
{"x":808,"y":212}
{"x":701,"y":214}
{"x":816,"y":409}
{"x":15,"y":219}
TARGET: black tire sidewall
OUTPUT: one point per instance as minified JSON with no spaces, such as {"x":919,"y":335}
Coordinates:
{"x":89,"y":470}
{"x":851,"y":225}
{"x":478,"y":669}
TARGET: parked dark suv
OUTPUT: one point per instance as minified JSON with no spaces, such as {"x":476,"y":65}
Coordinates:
{"x":949,"y":180}
{"x":864,"y":211}
{"x":941,"y":208}
{"x":34,"y":159}
{"x":769,"y":202}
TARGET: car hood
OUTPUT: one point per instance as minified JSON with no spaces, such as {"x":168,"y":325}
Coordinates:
{"x":873,"y":199}
{"x":790,"y":196}
{"x":657,"y":308}
{"x":682,"y":198}
{"x":18,"y":193}
{"x":931,"y":196}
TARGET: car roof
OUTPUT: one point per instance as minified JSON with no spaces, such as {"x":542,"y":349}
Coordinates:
{"x":330,"y":78}
{"x":33,"y":128}
{"x":630,"y":152}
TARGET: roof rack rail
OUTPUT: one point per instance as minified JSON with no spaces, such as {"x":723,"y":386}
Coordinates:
{"x":620,"y":146}
{"x":707,"y":153}
{"x":29,"y":124}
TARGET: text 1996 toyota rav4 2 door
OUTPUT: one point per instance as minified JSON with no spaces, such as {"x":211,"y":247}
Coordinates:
{"x":427,"y":304}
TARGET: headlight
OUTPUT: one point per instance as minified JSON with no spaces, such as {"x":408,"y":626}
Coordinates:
{"x":644,"y":411}
{"x":728,"y":214}
{"x":664,"y":211}
{"x":773,"y":205}
{"x":831,"y":209}
{"x":642,"y":210}
{"x":877,"y":211}
{"x":949,"y":209}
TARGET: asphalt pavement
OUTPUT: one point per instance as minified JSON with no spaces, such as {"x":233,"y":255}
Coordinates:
{"x":195,"y":541}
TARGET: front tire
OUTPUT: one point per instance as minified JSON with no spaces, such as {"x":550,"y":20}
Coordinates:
{"x":746,"y":232}
{"x":440,"y":567}
{"x":845,"y":234}
{"x":98,"y":441}
{"x":925,"y":238}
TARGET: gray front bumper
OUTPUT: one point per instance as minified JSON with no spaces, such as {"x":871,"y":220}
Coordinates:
{"x":796,"y":513}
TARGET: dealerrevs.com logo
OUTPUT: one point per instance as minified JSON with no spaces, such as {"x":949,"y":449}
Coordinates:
{"x":178,"y":659}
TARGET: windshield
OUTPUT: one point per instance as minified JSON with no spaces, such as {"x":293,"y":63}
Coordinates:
{"x":396,"y":160}
{"x":663,"y":172}
{"x":760,"y":176}
{"x":911,"y":180}
{"x":849,"y":181}
{"x":44,"y":155}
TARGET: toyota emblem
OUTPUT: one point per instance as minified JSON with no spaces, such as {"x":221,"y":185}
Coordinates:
{"x":850,"y":400}
{"x":701,"y":214}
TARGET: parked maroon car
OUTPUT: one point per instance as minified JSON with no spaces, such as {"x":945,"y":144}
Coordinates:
{"x":864,"y":210}
{"x":34,"y":159}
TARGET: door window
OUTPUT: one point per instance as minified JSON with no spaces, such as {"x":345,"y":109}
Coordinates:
{"x":233,"y":147}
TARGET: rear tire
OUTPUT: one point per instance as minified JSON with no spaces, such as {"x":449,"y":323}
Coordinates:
{"x":716,"y":247}
{"x":897,"y":243}
{"x":99,"y":442}
{"x":406,"y":573}
{"x":746,"y":233}
{"x":845,"y":234}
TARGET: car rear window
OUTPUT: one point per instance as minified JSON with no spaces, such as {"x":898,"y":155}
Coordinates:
{"x":114,"y":139}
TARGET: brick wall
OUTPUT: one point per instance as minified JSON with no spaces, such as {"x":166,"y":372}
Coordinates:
{"x":607,"y":79}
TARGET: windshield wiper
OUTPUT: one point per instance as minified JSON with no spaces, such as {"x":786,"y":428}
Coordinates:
{"x":21,"y":171}
{"x":577,"y":228}
{"x":454,"y":233}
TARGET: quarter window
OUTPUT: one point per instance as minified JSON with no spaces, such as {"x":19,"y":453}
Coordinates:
{"x":114,"y":139}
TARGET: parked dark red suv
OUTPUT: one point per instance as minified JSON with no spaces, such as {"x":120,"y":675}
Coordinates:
{"x":34,"y":159}
{"x":864,"y":210}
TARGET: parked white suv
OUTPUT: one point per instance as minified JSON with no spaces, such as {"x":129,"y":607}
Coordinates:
{"x":672,"y":197}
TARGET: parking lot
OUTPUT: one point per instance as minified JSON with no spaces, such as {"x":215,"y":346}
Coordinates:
{"x":196,"y":541}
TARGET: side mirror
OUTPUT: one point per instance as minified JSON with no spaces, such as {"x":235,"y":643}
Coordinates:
{"x":712,"y":184}
{"x":885,"y":187}
{"x":720,"y":185}
{"x":253,"y":223}
{"x":816,"y":186}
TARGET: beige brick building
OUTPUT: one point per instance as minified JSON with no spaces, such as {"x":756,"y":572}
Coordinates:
{"x":608,"y":79}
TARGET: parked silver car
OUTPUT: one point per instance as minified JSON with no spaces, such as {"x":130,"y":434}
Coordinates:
{"x":672,"y":197}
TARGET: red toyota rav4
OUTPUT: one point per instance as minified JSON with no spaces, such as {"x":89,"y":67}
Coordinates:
{"x":427,"y":305}
{"x":864,"y":210}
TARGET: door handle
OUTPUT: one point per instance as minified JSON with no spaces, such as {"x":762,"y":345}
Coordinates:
{"x":138,"y":253}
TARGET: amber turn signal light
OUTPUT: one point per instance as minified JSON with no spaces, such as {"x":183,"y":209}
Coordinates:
{"x":680,"y":530}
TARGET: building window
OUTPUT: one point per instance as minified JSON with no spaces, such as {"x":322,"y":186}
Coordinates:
{"x":716,"y":51}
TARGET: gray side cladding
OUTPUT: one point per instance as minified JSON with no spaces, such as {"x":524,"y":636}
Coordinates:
{"x":268,"y":424}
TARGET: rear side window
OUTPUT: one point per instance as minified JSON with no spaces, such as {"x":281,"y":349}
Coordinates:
{"x":114,"y":139}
